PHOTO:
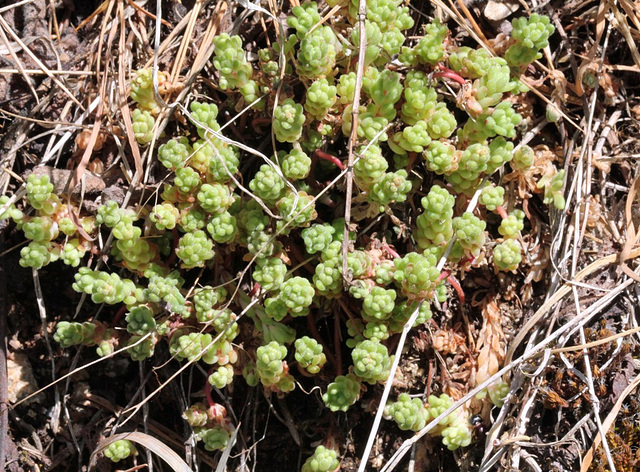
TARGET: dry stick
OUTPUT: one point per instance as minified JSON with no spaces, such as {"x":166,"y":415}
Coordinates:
{"x":27,"y":79}
{"x":462,"y":22}
{"x":590,"y":269}
{"x":387,"y":389}
{"x":184,"y":44}
{"x":92,"y":106}
{"x":586,"y":151}
{"x":595,"y":402}
{"x":55,"y":414}
{"x":362,"y":14}
{"x":204,"y":53}
{"x":488,"y":461}
{"x":15,"y":5}
{"x":38,"y":62}
{"x":124,"y":108}
{"x":169,"y":39}
{"x":624,"y":27}
{"x":530,"y":354}
{"x":608,"y":422}
{"x":596,"y":343}
{"x":83,"y":367}
{"x":86,"y":156}
{"x":145,"y":413}
{"x":471,"y":20}
{"x":4,"y":393}
{"x":54,"y":19}
{"x":147,"y":13}
{"x":57,"y":128}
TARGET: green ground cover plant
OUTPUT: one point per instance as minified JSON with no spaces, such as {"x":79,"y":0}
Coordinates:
{"x":437,"y":131}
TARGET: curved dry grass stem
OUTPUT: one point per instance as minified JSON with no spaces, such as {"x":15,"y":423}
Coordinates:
{"x":149,"y":442}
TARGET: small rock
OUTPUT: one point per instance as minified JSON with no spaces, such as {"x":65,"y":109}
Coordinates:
{"x":498,"y":11}
{"x":21,"y":381}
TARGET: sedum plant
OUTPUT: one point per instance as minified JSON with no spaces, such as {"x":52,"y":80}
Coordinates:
{"x":121,"y":449}
{"x":263,"y":232}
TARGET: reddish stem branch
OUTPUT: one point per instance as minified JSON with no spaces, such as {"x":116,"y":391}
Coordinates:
{"x":314,"y":332}
{"x":254,"y":290}
{"x":391,"y":251}
{"x":454,"y":283}
{"x":502,"y":212}
{"x":449,"y":74}
{"x":118,"y":317}
{"x":445,"y":274}
{"x":330,"y":158}
{"x":207,"y":390}
{"x":336,"y":342}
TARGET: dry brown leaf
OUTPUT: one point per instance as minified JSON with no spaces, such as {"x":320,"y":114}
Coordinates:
{"x":490,"y":344}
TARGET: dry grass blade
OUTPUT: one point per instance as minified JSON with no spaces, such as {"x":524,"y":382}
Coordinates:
{"x":561,"y":293}
{"x":535,"y":351}
{"x":622,"y":26}
{"x":632,"y":235}
{"x":154,"y":445}
{"x":353,"y":137}
{"x":18,"y":63}
{"x":222,"y":463}
{"x":599,"y":342}
{"x":608,"y":423}
{"x":124,"y":108}
{"x":471,"y":20}
{"x":39,"y":63}
{"x":186,"y":41}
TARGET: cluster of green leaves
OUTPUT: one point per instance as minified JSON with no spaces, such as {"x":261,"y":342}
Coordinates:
{"x":52,"y":233}
{"x":221,"y":205}
{"x":412,"y":414}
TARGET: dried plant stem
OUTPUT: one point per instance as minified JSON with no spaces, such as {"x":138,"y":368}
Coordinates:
{"x":4,"y":393}
{"x":353,"y":137}
{"x":535,"y":351}
{"x":45,"y":333}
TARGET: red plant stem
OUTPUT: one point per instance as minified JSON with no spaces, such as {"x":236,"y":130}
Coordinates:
{"x":336,"y":342}
{"x":391,"y":251}
{"x":449,"y":74}
{"x":467,"y":260}
{"x":176,"y":240}
{"x":207,"y":390}
{"x":443,"y":275}
{"x":316,"y":335}
{"x":254,"y":289}
{"x":330,"y":158}
{"x":454,"y":283}
{"x":118,"y":317}
{"x":502,"y":212}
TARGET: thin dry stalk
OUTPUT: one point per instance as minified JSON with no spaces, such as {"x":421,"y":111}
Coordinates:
{"x":38,"y":62}
{"x":4,"y":393}
{"x":353,"y":137}
{"x":608,"y":423}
